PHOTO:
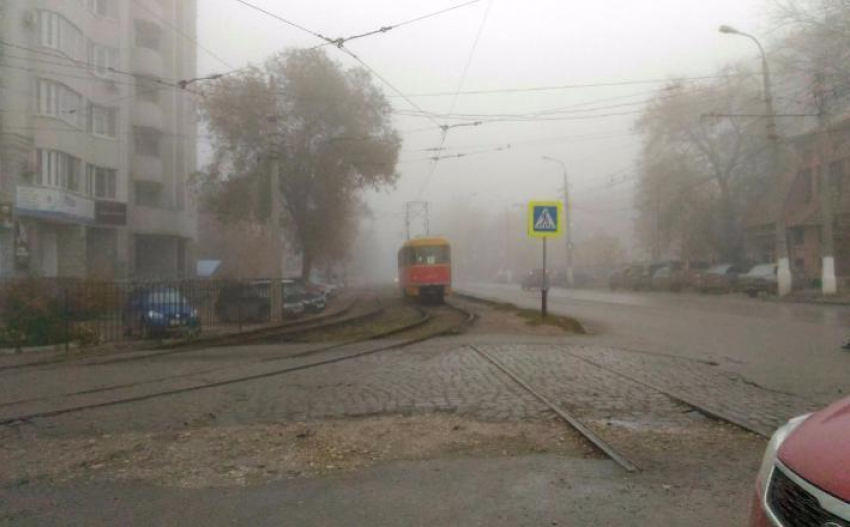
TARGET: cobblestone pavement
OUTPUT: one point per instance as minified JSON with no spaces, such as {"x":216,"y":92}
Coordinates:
{"x":719,"y":391}
{"x":447,"y":376}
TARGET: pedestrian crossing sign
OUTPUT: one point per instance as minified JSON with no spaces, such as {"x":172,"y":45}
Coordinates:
{"x":545,"y":219}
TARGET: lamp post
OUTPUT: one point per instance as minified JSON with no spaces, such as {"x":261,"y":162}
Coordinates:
{"x":783,"y":264}
{"x":567,"y":220}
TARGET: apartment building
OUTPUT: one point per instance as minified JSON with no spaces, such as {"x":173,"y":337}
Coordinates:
{"x":96,"y":142}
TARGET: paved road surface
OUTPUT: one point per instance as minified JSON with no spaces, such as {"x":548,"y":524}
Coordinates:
{"x":788,"y":347}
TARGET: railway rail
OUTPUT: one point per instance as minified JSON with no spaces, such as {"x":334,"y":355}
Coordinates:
{"x":596,"y":439}
{"x":27,"y":410}
{"x":290,"y":328}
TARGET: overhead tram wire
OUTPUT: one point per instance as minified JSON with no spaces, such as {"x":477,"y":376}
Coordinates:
{"x":445,"y":128}
{"x":345,"y":50}
{"x":533,"y":89}
{"x":80,"y":64}
{"x":340,"y":41}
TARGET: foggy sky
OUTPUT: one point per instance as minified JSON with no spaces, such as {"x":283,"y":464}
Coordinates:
{"x":524,"y":44}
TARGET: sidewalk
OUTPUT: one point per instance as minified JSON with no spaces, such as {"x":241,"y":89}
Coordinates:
{"x":814,"y":296}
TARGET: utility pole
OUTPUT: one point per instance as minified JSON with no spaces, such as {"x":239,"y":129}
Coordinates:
{"x":783,"y":272}
{"x":275,"y":292}
{"x":829,"y":285}
{"x":655,"y":250}
{"x":568,"y":224}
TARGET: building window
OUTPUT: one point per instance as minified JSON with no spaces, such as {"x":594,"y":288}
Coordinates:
{"x":148,"y":35}
{"x":56,"y":32}
{"x":58,"y":100}
{"x":103,"y":121}
{"x":147,"y":140}
{"x":147,"y":194}
{"x":103,"y":59}
{"x":799,"y":236}
{"x":58,"y":169}
{"x":104,"y":8}
{"x":100,"y":182}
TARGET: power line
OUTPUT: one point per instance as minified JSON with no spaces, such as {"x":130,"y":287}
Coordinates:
{"x":384,"y":29}
{"x":574,"y":86}
{"x":380,"y":77}
{"x":81,"y":64}
{"x":285,"y":21}
{"x":462,"y":80}
{"x":343,"y":49}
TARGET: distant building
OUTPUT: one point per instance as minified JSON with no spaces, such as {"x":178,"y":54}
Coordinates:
{"x":95,"y":146}
{"x":797,"y":198}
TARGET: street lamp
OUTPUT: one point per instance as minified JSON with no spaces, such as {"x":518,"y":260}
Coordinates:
{"x":783,"y":265}
{"x":567,"y":220}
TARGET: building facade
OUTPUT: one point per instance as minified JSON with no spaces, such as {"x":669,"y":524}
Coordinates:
{"x":798,"y":198}
{"x":96,"y":142}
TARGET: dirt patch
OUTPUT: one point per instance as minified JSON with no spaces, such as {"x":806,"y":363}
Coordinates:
{"x":505,"y":318}
{"x":245,"y":455}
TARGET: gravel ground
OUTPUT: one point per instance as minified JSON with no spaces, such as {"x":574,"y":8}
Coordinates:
{"x":242,"y":455}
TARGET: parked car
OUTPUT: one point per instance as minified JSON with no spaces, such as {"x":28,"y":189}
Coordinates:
{"x":762,"y":278}
{"x":242,"y":302}
{"x":639,"y":277}
{"x":534,"y":279}
{"x":720,"y":278}
{"x":668,"y":278}
{"x":690,"y":271}
{"x":805,"y":474}
{"x":292,"y":304}
{"x":158,"y":311}
{"x":312,"y":296}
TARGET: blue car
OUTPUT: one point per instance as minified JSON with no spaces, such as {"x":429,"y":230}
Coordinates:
{"x":159,"y":311}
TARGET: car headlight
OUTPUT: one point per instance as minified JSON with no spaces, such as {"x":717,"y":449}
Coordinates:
{"x":772,"y":449}
{"x":153,"y":315}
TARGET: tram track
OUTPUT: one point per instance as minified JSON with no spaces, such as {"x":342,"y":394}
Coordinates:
{"x":37,"y":408}
{"x":574,"y":422}
{"x":286,"y":329}
{"x":587,"y":431}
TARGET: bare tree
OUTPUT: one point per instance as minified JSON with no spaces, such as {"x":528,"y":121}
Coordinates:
{"x":702,"y":158}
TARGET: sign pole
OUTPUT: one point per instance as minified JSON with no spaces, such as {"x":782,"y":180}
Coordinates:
{"x":544,"y":286}
{"x":545,"y":220}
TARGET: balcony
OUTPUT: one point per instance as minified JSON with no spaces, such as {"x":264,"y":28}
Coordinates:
{"x":147,"y":168}
{"x":164,"y":222}
{"x":147,"y":62}
{"x":148,"y":115}
{"x":150,"y":10}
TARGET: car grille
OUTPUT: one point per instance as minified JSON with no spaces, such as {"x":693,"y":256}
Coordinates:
{"x":795,"y":507}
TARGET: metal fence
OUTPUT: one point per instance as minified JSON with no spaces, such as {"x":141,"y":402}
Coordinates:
{"x":35,"y":312}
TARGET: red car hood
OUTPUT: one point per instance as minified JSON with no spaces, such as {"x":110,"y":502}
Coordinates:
{"x":819,"y":450}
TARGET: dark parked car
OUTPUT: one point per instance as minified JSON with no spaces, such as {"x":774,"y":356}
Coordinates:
{"x":689,"y":273}
{"x":639,"y":277}
{"x":158,"y":311}
{"x":535,"y":279}
{"x":292,"y":302}
{"x":668,"y":278}
{"x":720,"y":278}
{"x":312,"y":296}
{"x":241,"y":302}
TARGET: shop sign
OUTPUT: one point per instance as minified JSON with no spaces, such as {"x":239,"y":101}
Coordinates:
{"x":53,"y":204}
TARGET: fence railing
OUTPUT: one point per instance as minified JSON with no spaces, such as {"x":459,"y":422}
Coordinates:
{"x":37,"y":312}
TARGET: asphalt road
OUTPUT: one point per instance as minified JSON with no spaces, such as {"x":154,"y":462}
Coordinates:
{"x":793,"y":348}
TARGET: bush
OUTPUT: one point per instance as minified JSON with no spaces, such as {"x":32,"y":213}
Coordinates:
{"x":31,"y":314}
